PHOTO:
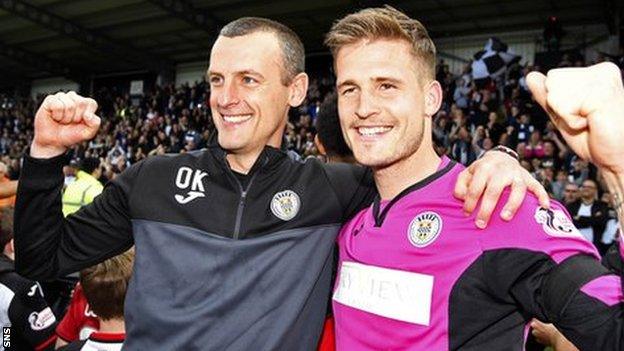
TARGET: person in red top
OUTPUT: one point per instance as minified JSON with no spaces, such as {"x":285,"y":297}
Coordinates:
{"x":105,"y":286}
{"x":79,"y":320}
{"x":8,"y":187}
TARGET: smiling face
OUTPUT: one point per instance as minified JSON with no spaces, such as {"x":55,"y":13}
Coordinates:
{"x":385,"y":104}
{"x":248,"y":99}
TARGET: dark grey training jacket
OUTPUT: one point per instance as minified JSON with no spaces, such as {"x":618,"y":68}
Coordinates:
{"x":223,"y":262}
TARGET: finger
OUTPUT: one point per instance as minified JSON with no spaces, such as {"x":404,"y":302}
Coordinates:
{"x":516,"y":196}
{"x":70,"y":108}
{"x":475,"y":189}
{"x":92,"y":105}
{"x":80,"y":106}
{"x":54,"y":107}
{"x":488,"y":202}
{"x":461,"y":185}
{"x":536,"y":82}
{"x":564,"y":103}
{"x":538,"y":190}
{"x":92,"y":121}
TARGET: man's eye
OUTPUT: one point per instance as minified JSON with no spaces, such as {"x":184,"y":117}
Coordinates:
{"x":249,"y":80}
{"x":386,"y":86}
{"x":348,"y":91}
{"x":215,"y":80}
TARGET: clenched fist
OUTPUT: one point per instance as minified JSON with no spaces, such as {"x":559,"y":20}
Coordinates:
{"x":587,"y":106}
{"x":63,"y":120}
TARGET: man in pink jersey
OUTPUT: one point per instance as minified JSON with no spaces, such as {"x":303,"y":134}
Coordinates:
{"x":414,"y":274}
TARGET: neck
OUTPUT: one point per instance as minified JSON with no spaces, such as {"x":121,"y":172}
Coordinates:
{"x":242,"y":163}
{"x":393,"y":179}
{"x":114,"y":325}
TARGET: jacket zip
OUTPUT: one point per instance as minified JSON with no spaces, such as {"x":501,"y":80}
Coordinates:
{"x":243,"y":193}
{"x":241,"y":201}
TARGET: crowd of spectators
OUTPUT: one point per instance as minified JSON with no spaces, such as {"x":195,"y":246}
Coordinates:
{"x":475,"y":119}
{"x":472,"y":120}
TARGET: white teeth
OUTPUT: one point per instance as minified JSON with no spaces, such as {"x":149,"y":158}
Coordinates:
{"x":237,"y":118}
{"x":367,"y":131}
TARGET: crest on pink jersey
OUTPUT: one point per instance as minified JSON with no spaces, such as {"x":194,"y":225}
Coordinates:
{"x":424,"y":229}
{"x":556,"y":222}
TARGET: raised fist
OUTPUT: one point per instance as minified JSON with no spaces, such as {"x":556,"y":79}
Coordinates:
{"x":587,"y":106}
{"x":63,"y":120}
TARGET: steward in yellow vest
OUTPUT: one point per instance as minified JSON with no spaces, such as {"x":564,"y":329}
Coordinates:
{"x":85,"y":188}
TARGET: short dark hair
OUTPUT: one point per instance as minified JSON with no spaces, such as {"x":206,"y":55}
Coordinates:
{"x":6,"y":226}
{"x":293,"y":53}
{"x":105,"y":285}
{"x":90,"y":164}
{"x":328,"y":128}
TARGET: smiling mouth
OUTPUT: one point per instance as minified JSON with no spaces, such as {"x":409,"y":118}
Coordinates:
{"x":372,"y":131}
{"x":236,"y":119}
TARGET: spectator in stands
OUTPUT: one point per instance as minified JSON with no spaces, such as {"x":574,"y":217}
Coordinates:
{"x":557,"y":187}
{"x":22,"y":306}
{"x":590,"y":215}
{"x":611,"y":230}
{"x":85,"y":188}
{"x":462,"y":148}
{"x":570,"y":194}
{"x":79,"y":320}
{"x":105,"y":288}
{"x":9,"y":198}
{"x":524,"y":128}
{"x":534,"y":147}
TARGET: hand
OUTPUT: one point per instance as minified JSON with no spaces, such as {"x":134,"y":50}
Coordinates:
{"x":484,"y":177}
{"x":63,"y":120}
{"x":548,"y":335}
{"x":587,"y":106}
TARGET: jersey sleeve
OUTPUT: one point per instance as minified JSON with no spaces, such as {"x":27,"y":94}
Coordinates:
{"x":32,"y":318}
{"x":353,"y":185}
{"x":48,"y":245}
{"x":544,"y":265}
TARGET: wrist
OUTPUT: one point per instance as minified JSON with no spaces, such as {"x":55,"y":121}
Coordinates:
{"x":40,"y":151}
{"x":613,"y":180}
{"x":505,"y":150}
{"x":615,"y":183}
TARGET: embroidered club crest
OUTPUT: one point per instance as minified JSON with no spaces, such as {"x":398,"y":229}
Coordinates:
{"x":424,"y":229}
{"x":285,"y":205}
{"x":556,"y":223}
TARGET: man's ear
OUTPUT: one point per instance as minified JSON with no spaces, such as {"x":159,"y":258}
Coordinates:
{"x":9,"y":248}
{"x":298,"y":89}
{"x":433,"y":97}
{"x":319,"y":146}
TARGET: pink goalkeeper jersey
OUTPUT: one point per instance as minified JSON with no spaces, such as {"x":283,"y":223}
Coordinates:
{"x":416,"y":274}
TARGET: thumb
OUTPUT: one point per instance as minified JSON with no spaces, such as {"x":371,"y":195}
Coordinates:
{"x":537,"y":84}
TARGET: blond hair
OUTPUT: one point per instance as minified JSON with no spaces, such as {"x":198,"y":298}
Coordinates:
{"x":384,"y":23}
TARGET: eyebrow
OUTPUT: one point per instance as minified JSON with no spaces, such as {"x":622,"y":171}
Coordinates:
{"x":346,"y":82}
{"x":240,"y":73}
{"x":375,"y":79}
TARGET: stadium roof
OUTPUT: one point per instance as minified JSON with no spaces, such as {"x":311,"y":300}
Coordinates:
{"x":82,"y":38}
